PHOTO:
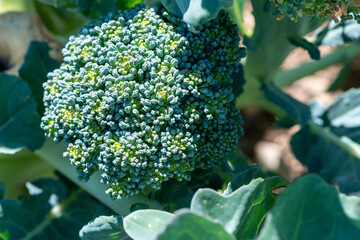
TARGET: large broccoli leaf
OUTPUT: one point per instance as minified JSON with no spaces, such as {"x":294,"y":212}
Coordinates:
{"x":19,"y":120}
{"x":146,"y":224}
{"x":311,"y":209}
{"x":196,"y":12}
{"x":339,"y":34}
{"x":104,"y":228}
{"x":89,"y":8}
{"x":241,"y":212}
{"x":52,"y":211}
{"x":329,"y":144}
{"x":35,"y":69}
{"x":194,"y":227}
{"x":238,"y":212}
{"x":19,"y":168}
{"x":295,"y":110}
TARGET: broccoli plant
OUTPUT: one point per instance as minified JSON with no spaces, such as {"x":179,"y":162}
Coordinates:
{"x":135,"y":133}
{"x":142,"y":99}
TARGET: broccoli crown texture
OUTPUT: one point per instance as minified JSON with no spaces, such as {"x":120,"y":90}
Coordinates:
{"x":317,"y":8}
{"x":143,"y":99}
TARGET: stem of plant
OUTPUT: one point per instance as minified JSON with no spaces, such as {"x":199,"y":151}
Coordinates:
{"x":53,"y":154}
{"x":286,"y":78}
{"x":344,"y":143}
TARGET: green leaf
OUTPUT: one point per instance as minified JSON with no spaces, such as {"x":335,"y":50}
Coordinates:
{"x":146,"y":224}
{"x":235,"y":162}
{"x":238,"y":81}
{"x":196,"y":12}
{"x":138,"y":206}
{"x":60,"y":21}
{"x":104,"y":228}
{"x":333,"y":163}
{"x":22,"y":167}
{"x":19,"y":120}
{"x":309,"y":209}
{"x":329,"y":144}
{"x":190,"y":226}
{"x":243,"y":178}
{"x":95,"y":9}
{"x":61,"y":3}
{"x":175,"y":194}
{"x":50,"y":212}
{"x":127,"y":4}
{"x":351,"y":206}
{"x":312,"y":49}
{"x":91,"y":8}
{"x":242,"y":212}
{"x":339,"y":34}
{"x":345,"y":110}
{"x":2,"y":190}
{"x":34,"y":71}
{"x":296,"y":110}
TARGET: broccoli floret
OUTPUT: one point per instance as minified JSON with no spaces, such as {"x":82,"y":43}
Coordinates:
{"x":143,"y":99}
{"x":318,"y":8}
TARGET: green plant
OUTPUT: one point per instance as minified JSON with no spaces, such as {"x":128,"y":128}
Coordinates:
{"x":145,"y":97}
{"x":142,"y":99}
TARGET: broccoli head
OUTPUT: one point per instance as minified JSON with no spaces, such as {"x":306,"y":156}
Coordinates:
{"x":318,"y":8}
{"x":143,"y":99}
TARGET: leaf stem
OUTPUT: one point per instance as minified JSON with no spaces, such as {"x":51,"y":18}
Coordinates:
{"x":343,"y":142}
{"x":54,"y":213}
{"x":286,"y":78}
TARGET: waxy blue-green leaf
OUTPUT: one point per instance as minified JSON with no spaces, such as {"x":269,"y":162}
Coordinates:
{"x":241,"y":212}
{"x":52,"y":211}
{"x":309,"y":209}
{"x":91,"y":4}
{"x":339,"y":34}
{"x":189,"y":226}
{"x":351,"y":206}
{"x":146,"y":224}
{"x":238,"y":81}
{"x":296,"y":110}
{"x":2,"y":190}
{"x":323,"y":156}
{"x":34,"y":71}
{"x":61,"y":22}
{"x":22,"y":167}
{"x":61,"y":3}
{"x":104,"y":228}
{"x":329,"y":144}
{"x":312,"y":48}
{"x":345,"y":110}
{"x":243,"y":178}
{"x":19,"y":120}
{"x":196,"y":12}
